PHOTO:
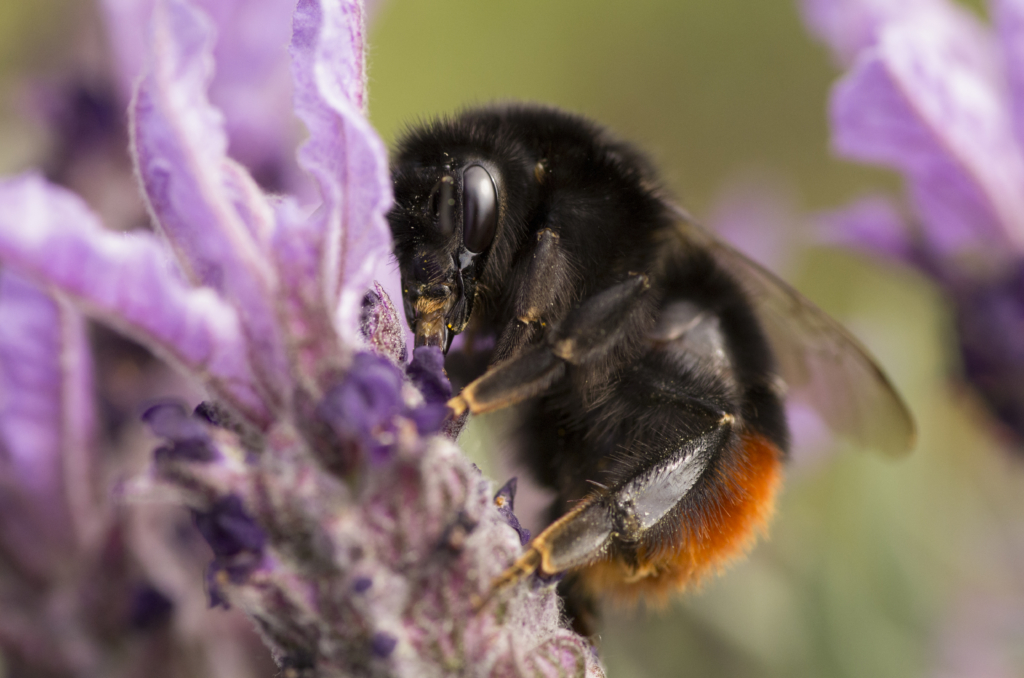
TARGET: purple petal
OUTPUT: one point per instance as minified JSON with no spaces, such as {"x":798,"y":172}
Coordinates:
{"x":925,"y":102}
{"x":49,"y":235}
{"x":209,"y":209}
{"x":43,"y":356}
{"x":1009,"y":20}
{"x":872,"y":224}
{"x":310,"y":318}
{"x":850,"y":26}
{"x":125,"y":23}
{"x":252,"y":85}
{"x":46,"y":425}
{"x":349,"y":234}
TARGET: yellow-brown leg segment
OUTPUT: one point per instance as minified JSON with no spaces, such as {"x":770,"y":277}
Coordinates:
{"x":590,"y":332}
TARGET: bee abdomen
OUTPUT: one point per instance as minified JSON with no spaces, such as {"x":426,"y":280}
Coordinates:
{"x":717,"y":522}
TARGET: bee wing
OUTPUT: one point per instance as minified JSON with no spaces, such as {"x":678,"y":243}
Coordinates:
{"x":822,"y":364}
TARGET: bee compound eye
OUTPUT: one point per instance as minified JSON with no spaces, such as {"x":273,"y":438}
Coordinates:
{"x":479,"y":208}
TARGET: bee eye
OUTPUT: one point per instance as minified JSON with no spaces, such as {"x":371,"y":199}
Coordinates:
{"x":479,"y":208}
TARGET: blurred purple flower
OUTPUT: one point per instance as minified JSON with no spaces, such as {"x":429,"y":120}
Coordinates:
{"x":936,"y":94}
{"x":759,"y":214}
{"x":354,"y":543}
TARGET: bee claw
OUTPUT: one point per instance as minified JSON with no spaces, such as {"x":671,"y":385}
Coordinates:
{"x":522,"y":568}
{"x":458,"y":406}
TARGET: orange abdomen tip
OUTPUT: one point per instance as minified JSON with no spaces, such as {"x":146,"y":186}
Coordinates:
{"x":738,"y":502}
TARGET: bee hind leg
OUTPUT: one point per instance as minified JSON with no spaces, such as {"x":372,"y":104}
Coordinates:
{"x":618,"y":528}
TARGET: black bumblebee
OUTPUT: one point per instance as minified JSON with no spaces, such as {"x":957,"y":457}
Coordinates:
{"x":654,"y":358}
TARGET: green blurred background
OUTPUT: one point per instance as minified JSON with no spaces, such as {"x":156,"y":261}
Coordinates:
{"x":875,"y":567}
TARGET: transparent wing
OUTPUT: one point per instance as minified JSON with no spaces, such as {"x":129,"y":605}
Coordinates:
{"x":822,"y":364}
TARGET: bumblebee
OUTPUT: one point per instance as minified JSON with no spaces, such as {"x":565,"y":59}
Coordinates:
{"x":653,"y":361}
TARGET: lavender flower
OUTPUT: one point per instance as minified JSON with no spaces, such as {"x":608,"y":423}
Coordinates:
{"x":936,"y":94}
{"x":78,"y":595}
{"x":355,"y":542}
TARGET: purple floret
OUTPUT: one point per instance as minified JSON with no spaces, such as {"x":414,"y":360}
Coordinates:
{"x":430,"y":418}
{"x":427,"y":372}
{"x":368,"y":396}
{"x":172,"y":420}
{"x":383,"y":644}
{"x":229,"y":529}
{"x":150,"y":608}
{"x":187,"y":436}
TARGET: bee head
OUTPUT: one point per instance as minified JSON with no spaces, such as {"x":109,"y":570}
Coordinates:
{"x":445,"y":220}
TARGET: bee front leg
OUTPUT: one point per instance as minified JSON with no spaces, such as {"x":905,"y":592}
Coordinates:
{"x":591,"y":332}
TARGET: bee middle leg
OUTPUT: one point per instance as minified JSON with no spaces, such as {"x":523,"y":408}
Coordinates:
{"x":603,"y":323}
